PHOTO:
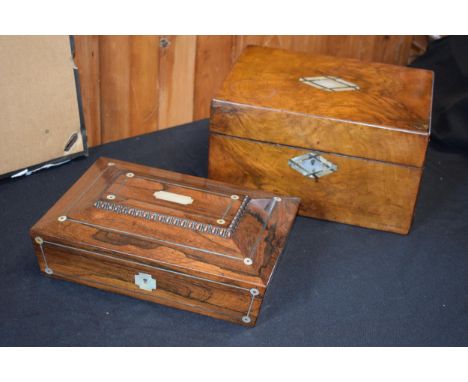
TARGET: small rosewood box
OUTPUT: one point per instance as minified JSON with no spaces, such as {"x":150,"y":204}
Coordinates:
{"x":173,"y":239}
{"x":348,"y":137}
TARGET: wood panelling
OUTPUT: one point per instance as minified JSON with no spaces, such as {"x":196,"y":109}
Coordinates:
{"x":214,"y":61}
{"x":387,"y":49}
{"x":176,"y":80}
{"x":115,"y":87}
{"x":129,"y":85}
{"x":87,"y":60}
{"x":144,"y":76}
{"x":136,"y":84}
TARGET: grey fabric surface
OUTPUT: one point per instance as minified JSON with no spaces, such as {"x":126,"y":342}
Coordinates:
{"x":335,"y":284}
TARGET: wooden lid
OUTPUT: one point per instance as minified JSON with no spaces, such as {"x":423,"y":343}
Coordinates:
{"x":329,"y":92}
{"x":187,"y":224}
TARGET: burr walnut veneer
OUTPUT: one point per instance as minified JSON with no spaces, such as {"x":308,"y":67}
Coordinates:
{"x":347,"y":137}
{"x":174,"y":239}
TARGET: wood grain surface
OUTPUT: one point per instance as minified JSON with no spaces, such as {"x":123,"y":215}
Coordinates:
{"x":172,"y":79}
{"x":129,"y":97}
{"x":324,"y":134}
{"x":196,"y":265}
{"x":361,"y":192}
{"x":176,"y":80}
{"x":100,"y":270}
{"x":213,"y":63}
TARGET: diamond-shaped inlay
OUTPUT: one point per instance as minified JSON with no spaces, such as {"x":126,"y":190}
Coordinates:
{"x":329,"y":83}
{"x":312,"y":165}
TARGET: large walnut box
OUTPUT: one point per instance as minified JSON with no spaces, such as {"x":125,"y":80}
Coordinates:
{"x":348,"y":137}
{"x":174,"y":239}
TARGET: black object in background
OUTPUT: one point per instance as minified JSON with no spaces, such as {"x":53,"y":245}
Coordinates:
{"x":448,"y":58}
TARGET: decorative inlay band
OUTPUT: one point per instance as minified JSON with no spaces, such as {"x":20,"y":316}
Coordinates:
{"x":172,"y":220}
{"x":235,"y":222}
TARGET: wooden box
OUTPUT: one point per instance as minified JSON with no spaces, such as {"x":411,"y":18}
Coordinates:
{"x":174,"y":239}
{"x":349,"y":138}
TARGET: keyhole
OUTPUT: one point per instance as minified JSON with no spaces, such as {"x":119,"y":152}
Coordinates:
{"x":145,"y":281}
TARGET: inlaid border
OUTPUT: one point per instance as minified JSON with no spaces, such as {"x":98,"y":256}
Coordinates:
{"x":252,"y":291}
{"x":176,"y":221}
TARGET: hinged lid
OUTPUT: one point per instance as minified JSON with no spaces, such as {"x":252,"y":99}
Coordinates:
{"x":177,"y":221}
{"x":345,"y":106}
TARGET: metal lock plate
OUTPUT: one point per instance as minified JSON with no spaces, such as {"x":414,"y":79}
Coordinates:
{"x":312,"y":165}
{"x":145,"y":281}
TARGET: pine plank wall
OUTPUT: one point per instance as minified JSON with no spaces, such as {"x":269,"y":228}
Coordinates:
{"x":132,"y":85}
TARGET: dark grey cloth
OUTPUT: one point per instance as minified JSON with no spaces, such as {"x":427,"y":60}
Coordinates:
{"x":334,"y":285}
{"x":448,"y":59}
